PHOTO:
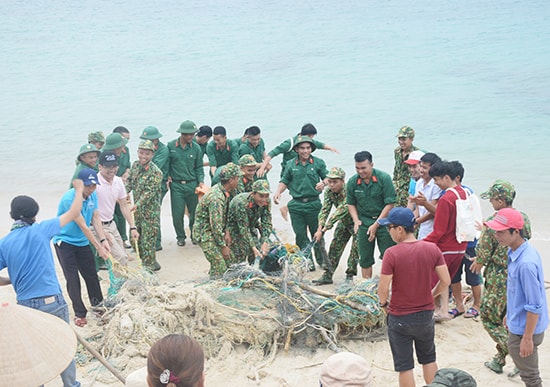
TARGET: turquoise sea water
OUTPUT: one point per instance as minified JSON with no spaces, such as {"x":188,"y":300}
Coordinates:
{"x":471,"y":77}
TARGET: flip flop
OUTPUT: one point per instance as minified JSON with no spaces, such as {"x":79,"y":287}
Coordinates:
{"x":471,"y":313}
{"x":455,"y":313}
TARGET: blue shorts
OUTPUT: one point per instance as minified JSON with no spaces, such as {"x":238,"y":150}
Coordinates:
{"x":404,"y":331}
{"x":472,"y":279}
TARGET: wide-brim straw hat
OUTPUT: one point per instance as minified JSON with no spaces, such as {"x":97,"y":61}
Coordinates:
{"x":35,"y":346}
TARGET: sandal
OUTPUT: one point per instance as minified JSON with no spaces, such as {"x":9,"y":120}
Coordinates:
{"x":471,"y":313}
{"x":455,"y":313}
{"x":80,"y":321}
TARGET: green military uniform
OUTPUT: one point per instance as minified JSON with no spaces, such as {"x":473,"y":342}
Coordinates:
{"x":344,"y":227}
{"x":245,"y":219}
{"x":286,"y":148}
{"x":210,"y":225}
{"x":144,"y":182}
{"x":401,"y":174}
{"x":86,"y":148}
{"x":370,"y":199}
{"x":246,"y":149}
{"x":494,"y":257}
{"x":186,"y":172}
{"x":161,"y":160}
{"x":218,"y":157}
{"x":305,"y":204}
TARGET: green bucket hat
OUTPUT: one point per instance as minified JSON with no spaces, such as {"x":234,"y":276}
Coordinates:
{"x":452,"y":377}
{"x":150,"y":133}
{"x":336,"y":173}
{"x":114,"y":141}
{"x":302,"y":139}
{"x":247,"y":160}
{"x":147,"y":144}
{"x":96,"y":137}
{"x":501,"y":189}
{"x":187,"y":127}
{"x":229,"y":171}
{"x":87,"y":148}
{"x":261,"y":187}
{"x":406,"y":131}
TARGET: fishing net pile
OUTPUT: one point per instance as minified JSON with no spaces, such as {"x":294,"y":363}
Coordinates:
{"x":265,"y":311}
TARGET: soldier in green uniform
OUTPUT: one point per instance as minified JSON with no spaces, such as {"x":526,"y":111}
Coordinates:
{"x":401,"y":174}
{"x":185,"y":174}
{"x":161,"y":161}
{"x":87,"y":158}
{"x":253,"y":145}
{"x":335,"y":195}
{"x":210,"y":228}
{"x":221,"y":150}
{"x":144,"y":181}
{"x":286,"y":148}
{"x":370,"y":196}
{"x":494,"y":257}
{"x":97,"y":139}
{"x":249,"y":215}
{"x":202,"y":138}
{"x":304,"y":177}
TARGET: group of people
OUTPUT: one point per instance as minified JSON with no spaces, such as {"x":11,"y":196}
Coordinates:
{"x":410,"y":217}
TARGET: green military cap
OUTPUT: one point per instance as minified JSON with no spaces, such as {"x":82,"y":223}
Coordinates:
{"x":336,"y":173}
{"x":96,"y":137}
{"x":87,"y":148}
{"x":301,"y":139}
{"x":147,"y":144}
{"x":247,"y":160}
{"x":114,"y":141}
{"x":261,"y":187}
{"x":406,"y":131}
{"x":187,"y":127}
{"x":452,"y":377}
{"x":501,"y":189}
{"x":229,"y":171}
{"x":150,"y":133}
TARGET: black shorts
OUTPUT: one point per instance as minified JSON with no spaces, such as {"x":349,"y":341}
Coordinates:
{"x":403,"y":331}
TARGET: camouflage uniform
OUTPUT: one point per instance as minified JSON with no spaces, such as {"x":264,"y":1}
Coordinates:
{"x":245,"y":219}
{"x":344,"y":229}
{"x":245,"y":185}
{"x":494,"y":257}
{"x":211,"y":220}
{"x":401,"y":174}
{"x":145,"y":181}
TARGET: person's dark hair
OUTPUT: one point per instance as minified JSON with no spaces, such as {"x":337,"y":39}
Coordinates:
{"x":362,"y":156}
{"x":24,"y":208}
{"x":219,"y":130}
{"x":409,"y":230}
{"x":120,"y":129}
{"x":458,"y":168}
{"x":430,"y":158}
{"x":205,"y":131}
{"x":521,"y":233}
{"x":252,"y":131}
{"x":308,"y":129}
{"x":176,"y":359}
{"x":443,"y":168}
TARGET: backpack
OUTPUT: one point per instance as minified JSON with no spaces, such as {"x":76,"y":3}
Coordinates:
{"x":468,"y":213}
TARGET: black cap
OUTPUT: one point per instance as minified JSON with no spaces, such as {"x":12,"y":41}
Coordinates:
{"x":108,"y":159}
{"x":23,"y":208}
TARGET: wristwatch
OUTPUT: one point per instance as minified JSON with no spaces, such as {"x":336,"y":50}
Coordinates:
{"x":385,"y":304}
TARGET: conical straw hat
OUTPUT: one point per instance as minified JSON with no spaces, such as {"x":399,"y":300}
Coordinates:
{"x":35,"y":346}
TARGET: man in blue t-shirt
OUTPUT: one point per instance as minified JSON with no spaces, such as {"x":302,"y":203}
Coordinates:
{"x":27,"y":255}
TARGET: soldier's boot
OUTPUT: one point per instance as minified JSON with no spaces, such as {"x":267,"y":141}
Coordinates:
{"x":326,"y":279}
{"x":494,"y":366}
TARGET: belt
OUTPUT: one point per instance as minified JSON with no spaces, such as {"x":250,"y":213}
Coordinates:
{"x":107,"y":223}
{"x":183,"y":181}
{"x":308,"y":199}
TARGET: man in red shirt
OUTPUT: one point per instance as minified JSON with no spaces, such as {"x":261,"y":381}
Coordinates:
{"x":410,"y":310}
{"x":444,"y":228}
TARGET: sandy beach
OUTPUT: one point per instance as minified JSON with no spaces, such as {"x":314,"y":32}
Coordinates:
{"x":461,"y":343}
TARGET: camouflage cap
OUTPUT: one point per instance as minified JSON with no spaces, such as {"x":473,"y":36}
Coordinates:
{"x":87,"y":148}
{"x":96,"y":137}
{"x":406,"y":131}
{"x":452,"y":377}
{"x":261,"y":186}
{"x":147,"y":144}
{"x":247,"y":160}
{"x":501,"y":189}
{"x":336,"y":173}
{"x":301,"y":139}
{"x":150,"y":133}
{"x":187,"y":127}
{"x":114,"y":141}
{"x":229,"y":171}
